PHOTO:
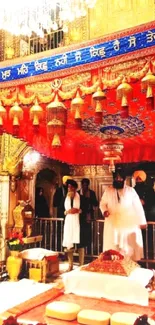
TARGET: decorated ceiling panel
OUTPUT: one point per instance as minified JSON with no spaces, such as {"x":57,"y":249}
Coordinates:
{"x":104,"y":113}
{"x":26,"y":112}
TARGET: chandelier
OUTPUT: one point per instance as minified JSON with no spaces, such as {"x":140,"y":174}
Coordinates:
{"x":24,"y":17}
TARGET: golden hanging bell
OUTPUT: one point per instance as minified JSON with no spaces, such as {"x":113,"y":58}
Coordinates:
{"x":56,"y":141}
{"x":56,"y":104}
{"x":1,"y":121}
{"x":35,"y":120}
{"x":55,"y":126}
{"x":99,"y":94}
{"x":2,"y":113}
{"x":36,"y":113}
{"x":77,"y":101}
{"x":124,"y":89}
{"x":16,"y":121}
{"x":149,"y":92}
{"x":77,"y":114}
{"x":149,"y":79}
{"x":147,"y":83}
{"x":98,"y":107}
{"x":124,"y":101}
{"x":57,"y":109}
{"x":16,"y":111}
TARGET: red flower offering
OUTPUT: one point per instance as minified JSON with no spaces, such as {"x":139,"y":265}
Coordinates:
{"x":15,"y":241}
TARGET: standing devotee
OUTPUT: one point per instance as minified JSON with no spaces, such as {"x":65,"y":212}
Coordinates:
{"x":75,"y":226}
{"x":124,"y":218}
{"x":59,"y":197}
{"x":92,"y":203}
{"x":41,"y":206}
{"x":90,"y":195}
{"x":58,"y":202}
{"x":151,"y":202}
{"x":150,"y":216}
{"x":140,"y":187}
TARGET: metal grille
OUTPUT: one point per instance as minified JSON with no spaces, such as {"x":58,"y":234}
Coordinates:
{"x":50,"y":41}
{"x":13,"y":46}
{"x":52,"y":231}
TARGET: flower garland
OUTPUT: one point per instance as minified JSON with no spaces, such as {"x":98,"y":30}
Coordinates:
{"x":110,"y":255}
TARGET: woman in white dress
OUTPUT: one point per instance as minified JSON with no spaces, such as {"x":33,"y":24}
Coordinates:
{"x":124,"y":218}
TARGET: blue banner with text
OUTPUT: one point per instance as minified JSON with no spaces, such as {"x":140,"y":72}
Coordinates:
{"x":82,"y":56}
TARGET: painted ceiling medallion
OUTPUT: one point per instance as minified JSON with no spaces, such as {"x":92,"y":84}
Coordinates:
{"x":114,"y":126}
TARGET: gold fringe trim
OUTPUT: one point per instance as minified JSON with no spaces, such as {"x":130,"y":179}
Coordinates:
{"x":45,"y":99}
{"x":26,"y":100}
{"x":8,"y":101}
{"x":67,"y":94}
{"x":89,"y":90}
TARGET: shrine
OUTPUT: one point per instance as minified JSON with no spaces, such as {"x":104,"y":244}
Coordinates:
{"x":77,"y":87}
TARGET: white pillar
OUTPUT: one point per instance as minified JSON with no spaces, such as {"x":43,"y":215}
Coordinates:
{"x":4,"y":212}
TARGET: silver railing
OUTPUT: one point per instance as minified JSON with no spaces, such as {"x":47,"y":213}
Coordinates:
{"x":149,"y":243}
{"x":52,"y":231}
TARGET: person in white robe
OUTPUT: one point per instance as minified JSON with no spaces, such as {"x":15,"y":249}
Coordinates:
{"x":124,"y":218}
{"x":72,"y":224}
{"x":75,"y":225}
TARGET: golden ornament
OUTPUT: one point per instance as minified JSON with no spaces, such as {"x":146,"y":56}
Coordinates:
{"x":36,"y":113}
{"x":99,"y":94}
{"x":56,"y":141}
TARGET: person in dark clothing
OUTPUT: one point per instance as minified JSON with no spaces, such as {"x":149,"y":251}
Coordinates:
{"x":90,"y":195}
{"x":92,"y":203}
{"x":150,"y":216}
{"x":150,"y":202}
{"x":75,"y":227}
{"x":140,"y":187}
{"x":41,"y":206}
{"x":59,"y":197}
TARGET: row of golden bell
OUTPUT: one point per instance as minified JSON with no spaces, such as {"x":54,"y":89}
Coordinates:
{"x":57,"y":112}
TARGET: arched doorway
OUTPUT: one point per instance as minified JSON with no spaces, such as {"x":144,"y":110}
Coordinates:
{"x":47,"y":179}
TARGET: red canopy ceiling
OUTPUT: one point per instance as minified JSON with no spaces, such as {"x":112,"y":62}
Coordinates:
{"x":80,"y":147}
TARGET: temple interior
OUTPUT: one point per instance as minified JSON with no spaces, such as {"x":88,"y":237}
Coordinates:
{"x":77,"y":100}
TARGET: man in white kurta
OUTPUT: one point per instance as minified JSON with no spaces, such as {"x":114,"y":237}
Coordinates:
{"x":124,"y":218}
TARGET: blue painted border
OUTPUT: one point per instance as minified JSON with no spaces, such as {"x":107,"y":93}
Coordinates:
{"x":79,"y":57}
